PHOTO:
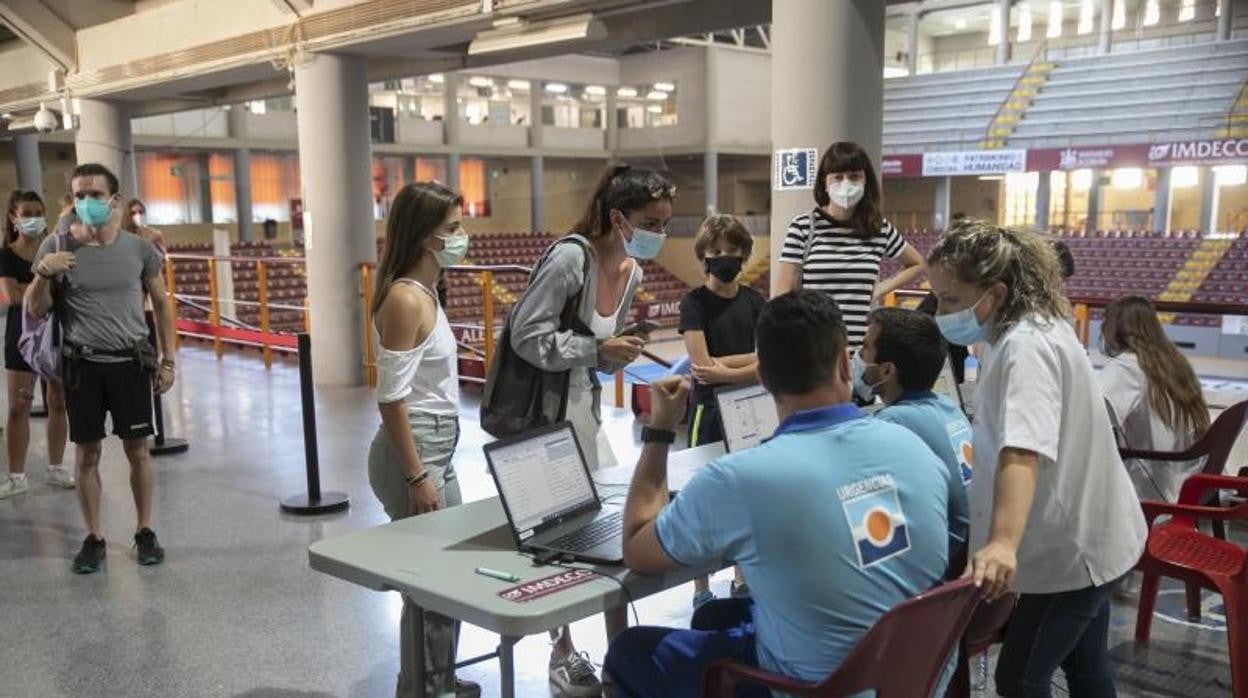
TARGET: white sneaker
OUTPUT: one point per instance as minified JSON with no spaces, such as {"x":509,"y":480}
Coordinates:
{"x":60,"y":476}
{"x":11,"y":486}
{"x":574,"y":675}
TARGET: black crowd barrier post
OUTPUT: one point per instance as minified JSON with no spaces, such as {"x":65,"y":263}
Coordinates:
{"x":161,"y":445}
{"x":315,"y":501}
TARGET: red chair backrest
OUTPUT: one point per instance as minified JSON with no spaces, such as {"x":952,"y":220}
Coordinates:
{"x":1220,"y":439}
{"x":904,"y":653}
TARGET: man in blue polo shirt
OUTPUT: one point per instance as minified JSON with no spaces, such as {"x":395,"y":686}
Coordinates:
{"x":834,"y":520}
{"x":900,"y":360}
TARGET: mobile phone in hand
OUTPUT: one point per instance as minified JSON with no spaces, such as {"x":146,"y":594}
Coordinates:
{"x":641,"y":328}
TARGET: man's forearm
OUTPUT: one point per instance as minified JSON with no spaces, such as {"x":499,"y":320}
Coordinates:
{"x":39,"y":296}
{"x":164,"y":326}
{"x":647,"y":495}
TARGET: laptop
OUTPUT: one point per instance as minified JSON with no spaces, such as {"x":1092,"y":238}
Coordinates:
{"x":550,"y":500}
{"x":747,"y":414}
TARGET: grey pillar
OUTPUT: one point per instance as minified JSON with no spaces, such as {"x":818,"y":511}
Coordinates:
{"x":335,"y":166}
{"x":808,"y":36}
{"x":104,"y":137}
{"x":1094,"y":202}
{"x":940,"y":210}
{"x":710,"y":175}
{"x":452,"y":171}
{"x":1208,"y":200}
{"x":613,"y":122}
{"x":912,"y":44}
{"x":537,"y":208}
{"x":1044,"y":194}
{"x":536,"y":139}
{"x":1107,"y":23}
{"x":1003,"y":48}
{"x":29,"y":169}
{"x":1226,"y":19}
{"x":205,"y":186}
{"x":1161,"y":201}
{"x":409,"y":166}
{"x":242,"y":173}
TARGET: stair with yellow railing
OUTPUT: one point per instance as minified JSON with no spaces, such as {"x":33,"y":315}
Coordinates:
{"x":1016,"y":103}
{"x":1192,"y":274}
{"x":1237,"y":116}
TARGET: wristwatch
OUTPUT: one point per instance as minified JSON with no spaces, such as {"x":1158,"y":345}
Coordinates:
{"x":657,"y":436}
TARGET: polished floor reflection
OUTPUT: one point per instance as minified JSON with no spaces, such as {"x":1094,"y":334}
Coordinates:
{"x":235,"y":611}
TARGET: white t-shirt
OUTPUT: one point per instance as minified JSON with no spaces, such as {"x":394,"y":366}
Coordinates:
{"x":1126,"y":391}
{"x":425,"y":376}
{"x":1036,"y":391}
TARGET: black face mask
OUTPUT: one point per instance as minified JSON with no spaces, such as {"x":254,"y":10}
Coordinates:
{"x":724,"y":268}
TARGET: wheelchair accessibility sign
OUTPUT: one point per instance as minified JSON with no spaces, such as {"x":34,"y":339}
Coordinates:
{"x":795,"y":168}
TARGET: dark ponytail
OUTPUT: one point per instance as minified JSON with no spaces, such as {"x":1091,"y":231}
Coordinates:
{"x":624,"y":188}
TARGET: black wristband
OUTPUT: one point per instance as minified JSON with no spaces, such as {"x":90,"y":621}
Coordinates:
{"x":657,"y":436}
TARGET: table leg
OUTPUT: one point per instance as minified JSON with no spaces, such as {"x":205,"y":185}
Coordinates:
{"x":507,"y":666}
{"x":412,"y":656}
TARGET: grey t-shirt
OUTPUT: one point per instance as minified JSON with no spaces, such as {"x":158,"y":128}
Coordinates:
{"x":103,"y":293}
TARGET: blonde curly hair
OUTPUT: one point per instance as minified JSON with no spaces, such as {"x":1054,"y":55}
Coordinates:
{"x":982,"y":254}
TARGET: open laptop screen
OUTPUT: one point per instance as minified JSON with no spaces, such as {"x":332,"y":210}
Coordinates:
{"x":748,"y":413}
{"x":541,"y":477}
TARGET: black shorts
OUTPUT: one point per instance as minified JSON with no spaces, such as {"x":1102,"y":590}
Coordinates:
{"x":122,"y":390}
{"x":13,"y":360}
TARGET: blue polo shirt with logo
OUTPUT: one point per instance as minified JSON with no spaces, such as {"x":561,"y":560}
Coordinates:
{"x":945,"y":430}
{"x":834,"y":520}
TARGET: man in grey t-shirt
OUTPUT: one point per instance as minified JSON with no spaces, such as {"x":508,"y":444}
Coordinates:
{"x":99,"y":273}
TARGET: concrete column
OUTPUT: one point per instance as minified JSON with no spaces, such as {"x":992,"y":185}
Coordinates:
{"x":710,"y":176}
{"x":1208,"y":200}
{"x":940,"y":209}
{"x":536,"y":138}
{"x":840,"y":47}
{"x":450,"y":111}
{"x":1003,"y":48}
{"x":452,"y":171}
{"x":205,"y":186}
{"x":1225,"y":19}
{"x":409,"y":167}
{"x":335,"y":166}
{"x":1161,"y":201}
{"x":1094,"y":202}
{"x":1044,"y":194}
{"x":912,"y":43}
{"x":1107,"y":23}
{"x":104,"y":137}
{"x":613,"y":122}
{"x":242,"y":173}
{"x":537,"y":207}
{"x":29,"y":169}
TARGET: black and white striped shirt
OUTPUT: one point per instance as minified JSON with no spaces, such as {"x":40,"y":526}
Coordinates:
{"x":841,"y":264}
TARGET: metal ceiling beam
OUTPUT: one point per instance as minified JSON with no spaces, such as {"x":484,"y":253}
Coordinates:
{"x":38,"y":26}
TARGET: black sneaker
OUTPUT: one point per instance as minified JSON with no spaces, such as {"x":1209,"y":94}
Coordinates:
{"x":150,"y":552}
{"x":89,"y":558}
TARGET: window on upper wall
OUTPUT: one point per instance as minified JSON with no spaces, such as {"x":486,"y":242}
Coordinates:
{"x":221,"y":183}
{"x":474,"y":186}
{"x":646,"y":106}
{"x":169,"y":186}
{"x":275,"y":185}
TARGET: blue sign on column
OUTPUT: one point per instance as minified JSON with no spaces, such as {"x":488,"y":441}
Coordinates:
{"x":795,"y":168}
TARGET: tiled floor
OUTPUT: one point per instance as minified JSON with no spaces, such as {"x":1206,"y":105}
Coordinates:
{"x":236,"y":611}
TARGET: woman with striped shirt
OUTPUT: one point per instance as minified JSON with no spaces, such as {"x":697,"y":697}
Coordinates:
{"x":842,"y":257}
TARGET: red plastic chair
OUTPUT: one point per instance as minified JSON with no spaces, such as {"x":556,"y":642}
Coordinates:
{"x":1179,"y":550}
{"x":922,"y":630}
{"x":987,"y":628}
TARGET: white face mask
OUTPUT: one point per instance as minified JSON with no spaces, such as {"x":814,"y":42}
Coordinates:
{"x":846,"y":193}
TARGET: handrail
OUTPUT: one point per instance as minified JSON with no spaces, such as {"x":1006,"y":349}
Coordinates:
{"x":268,"y":259}
{"x":1036,"y":56}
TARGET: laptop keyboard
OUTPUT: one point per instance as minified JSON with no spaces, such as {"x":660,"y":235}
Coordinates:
{"x":593,"y":535}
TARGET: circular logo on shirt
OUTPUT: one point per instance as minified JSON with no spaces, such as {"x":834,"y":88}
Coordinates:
{"x":879,"y":526}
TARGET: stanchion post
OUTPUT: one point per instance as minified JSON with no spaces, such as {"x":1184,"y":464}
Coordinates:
{"x":1082,"y":325}
{"x":173,"y":302}
{"x":619,"y":389}
{"x":262,"y":283}
{"x":370,"y":355}
{"x":890,"y":300}
{"x":315,"y":501}
{"x":487,"y":315}
{"x":214,"y":312}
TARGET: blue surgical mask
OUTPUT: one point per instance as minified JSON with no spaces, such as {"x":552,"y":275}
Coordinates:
{"x":32,"y":226}
{"x":454,"y":249}
{"x":644,"y":244}
{"x":92,"y":211}
{"x":858,"y":370}
{"x":963,"y":328}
